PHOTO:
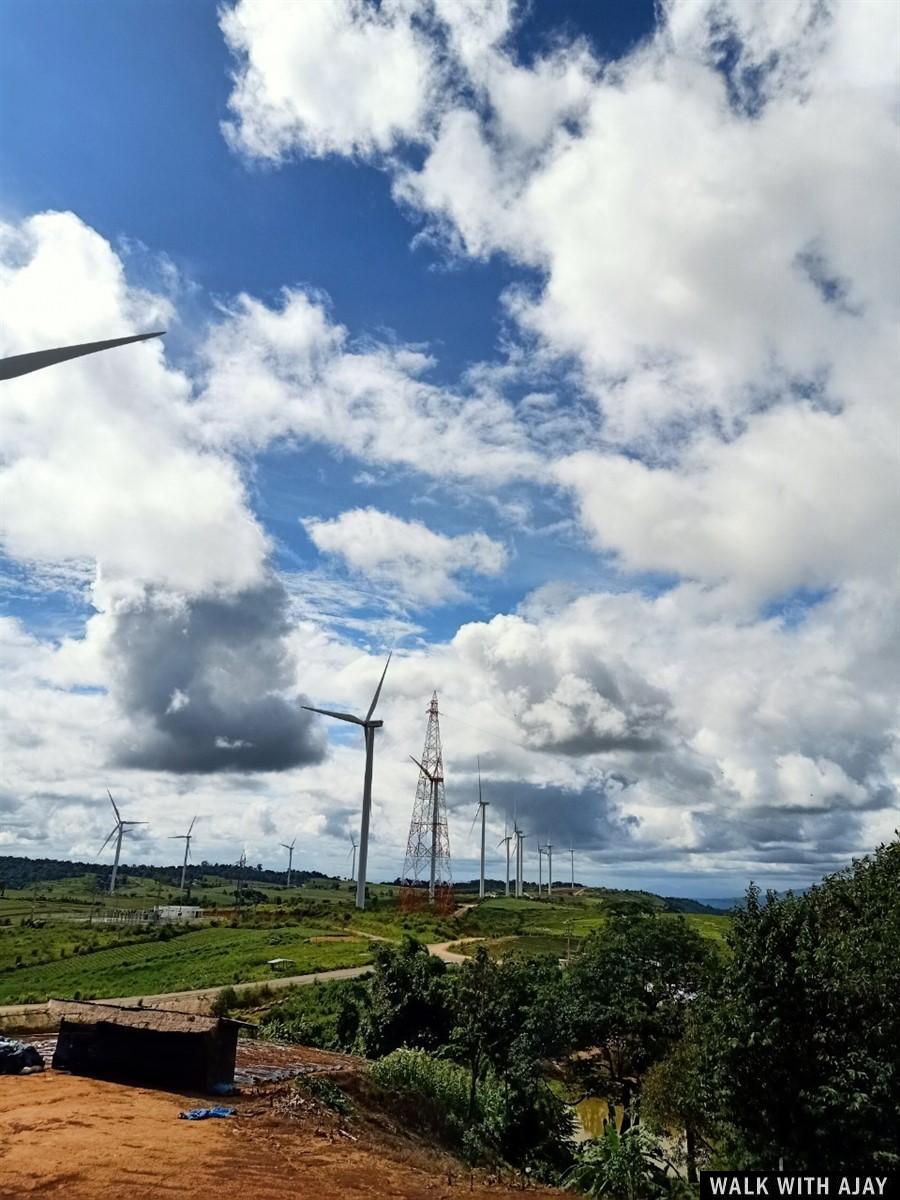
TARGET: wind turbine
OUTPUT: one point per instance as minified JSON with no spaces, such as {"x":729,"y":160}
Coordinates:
{"x":572,"y":854}
{"x":187,"y":848}
{"x":540,"y":869}
{"x":368,"y":726}
{"x":549,"y":849}
{"x":481,"y":808}
{"x":353,"y":852}
{"x":24,"y":364}
{"x":520,"y":862}
{"x":117,"y":830}
{"x":507,"y":838}
{"x":435,"y":781}
{"x":290,"y":850}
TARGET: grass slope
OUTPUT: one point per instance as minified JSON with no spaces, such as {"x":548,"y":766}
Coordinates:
{"x":205,"y":958}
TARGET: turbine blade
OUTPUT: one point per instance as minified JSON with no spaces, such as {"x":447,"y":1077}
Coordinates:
{"x":108,"y":840}
{"x":327,"y":712}
{"x":378,"y":689}
{"x":474,"y":819}
{"x":428,"y":775}
{"x":478,"y":760}
{"x":191,"y":826}
{"x":113,"y":803}
{"x":24,"y":364}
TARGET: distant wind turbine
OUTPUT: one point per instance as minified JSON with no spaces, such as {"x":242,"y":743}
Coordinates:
{"x":540,"y":869}
{"x":482,"y":809}
{"x":117,"y":830}
{"x":290,"y":850}
{"x":549,"y":849}
{"x":507,"y":838}
{"x":187,"y":848}
{"x":368,"y":726}
{"x":520,"y":861}
{"x":24,"y":364}
{"x":353,"y":852}
{"x":572,"y":854}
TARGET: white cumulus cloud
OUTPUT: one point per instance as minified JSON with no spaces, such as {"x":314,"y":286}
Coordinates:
{"x":407,"y":556}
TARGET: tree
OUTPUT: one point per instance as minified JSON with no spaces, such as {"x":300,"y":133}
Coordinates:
{"x":628,"y":991}
{"x":675,"y":1095}
{"x":504,"y":1025}
{"x":802,"y":1038}
{"x":407,"y":1003}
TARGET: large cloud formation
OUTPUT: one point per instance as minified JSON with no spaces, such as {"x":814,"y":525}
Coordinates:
{"x":209,"y":683}
{"x":706,"y":231}
{"x":103,"y":471}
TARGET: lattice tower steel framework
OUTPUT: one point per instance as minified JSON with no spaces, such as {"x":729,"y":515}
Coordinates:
{"x":428,"y":847}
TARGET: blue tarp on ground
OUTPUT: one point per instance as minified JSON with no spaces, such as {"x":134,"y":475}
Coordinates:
{"x":201,"y":1114}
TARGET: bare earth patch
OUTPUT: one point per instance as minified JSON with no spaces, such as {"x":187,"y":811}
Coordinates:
{"x":84,"y":1139}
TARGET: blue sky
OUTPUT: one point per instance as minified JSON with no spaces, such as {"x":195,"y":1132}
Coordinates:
{"x":119,"y":108}
{"x":558,"y":249}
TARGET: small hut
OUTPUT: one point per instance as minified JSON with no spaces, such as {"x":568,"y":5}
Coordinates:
{"x":153,"y":1046}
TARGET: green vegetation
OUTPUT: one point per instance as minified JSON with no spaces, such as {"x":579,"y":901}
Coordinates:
{"x":324,"y":1015}
{"x":531,"y":945}
{"x":196,"y":959}
{"x":782,"y":1043}
{"x":27,"y":945}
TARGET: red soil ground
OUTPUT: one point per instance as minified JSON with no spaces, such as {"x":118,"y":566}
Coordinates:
{"x":84,"y":1139}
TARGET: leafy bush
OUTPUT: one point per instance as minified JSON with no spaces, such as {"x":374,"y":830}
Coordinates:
{"x":624,"y":1166}
{"x":439,"y":1089}
{"x":225,"y":1001}
{"x":324,"y":1015}
{"x":325,"y":1091}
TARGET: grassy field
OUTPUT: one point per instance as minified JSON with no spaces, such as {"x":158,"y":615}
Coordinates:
{"x":530,"y":946}
{"x":27,"y":946}
{"x":48,"y":946}
{"x":202,"y":958}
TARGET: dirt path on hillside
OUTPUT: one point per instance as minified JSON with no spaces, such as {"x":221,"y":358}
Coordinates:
{"x":85,"y":1139}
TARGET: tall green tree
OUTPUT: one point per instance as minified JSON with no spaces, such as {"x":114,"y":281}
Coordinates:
{"x":407,"y":1001}
{"x":803,"y":1036}
{"x":627,"y":995}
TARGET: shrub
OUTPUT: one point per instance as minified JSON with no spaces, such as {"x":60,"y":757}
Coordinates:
{"x":624,"y":1166}
{"x":226,"y":1000}
{"x":439,"y":1089}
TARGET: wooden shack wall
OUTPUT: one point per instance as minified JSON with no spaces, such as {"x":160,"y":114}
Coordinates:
{"x":192,"y":1061}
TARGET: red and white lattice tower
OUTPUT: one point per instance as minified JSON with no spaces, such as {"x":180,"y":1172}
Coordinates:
{"x":426,"y":879}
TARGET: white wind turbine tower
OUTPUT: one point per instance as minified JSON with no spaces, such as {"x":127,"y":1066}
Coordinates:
{"x":507,"y":838}
{"x":368,"y":726}
{"x":117,"y":830}
{"x":549,"y":849}
{"x":177,"y":837}
{"x":435,"y":781}
{"x":353,"y":852}
{"x":290,"y":850}
{"x":572,"y":855}
{"x":540,"y":869}
{"x":482,"y":808}
{"x":520,"y":862}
